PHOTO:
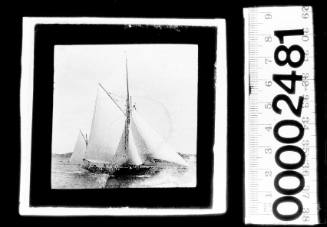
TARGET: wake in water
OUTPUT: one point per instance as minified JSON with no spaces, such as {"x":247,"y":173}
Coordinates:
{"x":71,"y":176}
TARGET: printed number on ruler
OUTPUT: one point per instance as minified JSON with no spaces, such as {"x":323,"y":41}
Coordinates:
{"x":288,"y":141}
{"x":279,"y":46}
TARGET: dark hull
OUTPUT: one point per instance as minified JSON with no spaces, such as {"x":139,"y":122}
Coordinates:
{"x":122,"y":170}
{"x":150,"y":168}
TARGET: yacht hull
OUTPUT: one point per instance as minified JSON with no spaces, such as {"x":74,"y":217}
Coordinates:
{"x":106,"y":168}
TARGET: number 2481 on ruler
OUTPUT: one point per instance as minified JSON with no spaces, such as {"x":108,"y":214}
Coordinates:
{"x":289,"y":169}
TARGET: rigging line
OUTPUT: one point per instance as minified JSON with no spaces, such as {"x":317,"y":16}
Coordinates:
{"x":112,"y":99}
{"x":84,"y":137}
{"x":82,"y":134}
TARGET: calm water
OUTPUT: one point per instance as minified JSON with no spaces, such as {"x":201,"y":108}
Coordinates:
{"x":68,"y":176}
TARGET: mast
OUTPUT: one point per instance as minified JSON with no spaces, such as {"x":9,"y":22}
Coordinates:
{"x":130,"y":146}
{"x":128,"y":112}
{"x":127,"y":87}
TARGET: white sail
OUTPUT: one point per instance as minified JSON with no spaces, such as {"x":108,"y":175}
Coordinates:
{"x":121,"y":155}
{"x":106,"y":129}
{"x":150,"y":143}
{"x":79,"y":150}
{"x":127,"y":154}
{"x":134,"y":156}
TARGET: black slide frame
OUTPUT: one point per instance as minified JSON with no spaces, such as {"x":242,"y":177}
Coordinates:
{"x":49,"y":35}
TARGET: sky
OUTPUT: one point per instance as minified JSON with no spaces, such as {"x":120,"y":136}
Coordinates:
{"x":163,"y":83}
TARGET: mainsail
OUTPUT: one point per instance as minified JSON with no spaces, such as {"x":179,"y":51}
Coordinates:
{"x":79,"y":150}
{"x":106,"y":129}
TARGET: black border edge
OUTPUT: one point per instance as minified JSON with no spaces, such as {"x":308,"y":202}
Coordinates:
{"x":42,"y":49}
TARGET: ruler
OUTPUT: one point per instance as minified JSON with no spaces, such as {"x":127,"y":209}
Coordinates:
{"x":280,"y":124}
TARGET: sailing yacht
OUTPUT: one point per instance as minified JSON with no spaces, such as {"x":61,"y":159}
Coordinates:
{"x":120,"y":139}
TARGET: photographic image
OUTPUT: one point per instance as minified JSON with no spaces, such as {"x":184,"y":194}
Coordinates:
{"x":124,"y":116}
